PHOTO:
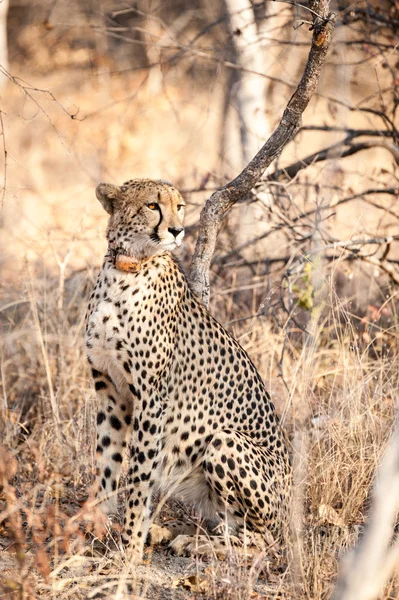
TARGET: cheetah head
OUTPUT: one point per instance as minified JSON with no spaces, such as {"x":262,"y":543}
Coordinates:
{"x":146,"y":216}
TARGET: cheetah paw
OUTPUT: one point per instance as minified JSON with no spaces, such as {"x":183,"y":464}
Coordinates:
{"x":200,"y":545}
{"x":159,"y":535}
{"x":255,"y":543}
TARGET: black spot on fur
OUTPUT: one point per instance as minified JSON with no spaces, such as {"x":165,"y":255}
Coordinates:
{"x":100,"y":385}
{"x":115,"y":422}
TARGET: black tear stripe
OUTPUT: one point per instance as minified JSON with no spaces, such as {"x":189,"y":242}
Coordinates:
{"x":155,"y":236}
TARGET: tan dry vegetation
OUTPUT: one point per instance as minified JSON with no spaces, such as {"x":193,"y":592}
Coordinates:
{"x":340,"y":406}
{"x":336,"y":387}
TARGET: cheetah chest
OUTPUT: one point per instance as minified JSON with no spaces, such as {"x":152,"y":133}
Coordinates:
{"x":126,"y":334}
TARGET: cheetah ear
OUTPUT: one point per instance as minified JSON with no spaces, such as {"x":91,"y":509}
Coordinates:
{"x":108,"y":195}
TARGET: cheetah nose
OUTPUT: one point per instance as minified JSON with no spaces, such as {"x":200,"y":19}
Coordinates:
{"x":175,"y":230}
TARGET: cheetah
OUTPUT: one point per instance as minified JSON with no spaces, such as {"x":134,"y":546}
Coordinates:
{"x":176,"y":392}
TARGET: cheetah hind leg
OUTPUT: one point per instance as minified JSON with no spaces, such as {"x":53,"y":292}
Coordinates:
{"x":242,"y":480}
{"x":249,"y":480}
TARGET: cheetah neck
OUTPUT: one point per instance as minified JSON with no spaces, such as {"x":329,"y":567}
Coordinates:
{"x":123,"y":262}
{"x":127,"y":263}
{"x":116,"y":258}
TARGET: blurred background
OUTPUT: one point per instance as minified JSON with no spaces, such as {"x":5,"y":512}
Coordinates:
{"x":189,"y":91}
{"x":306,"y":269}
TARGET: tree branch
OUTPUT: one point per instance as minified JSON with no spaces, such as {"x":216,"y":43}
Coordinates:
{"x":222,"y":200}
{"x":338,"y":150}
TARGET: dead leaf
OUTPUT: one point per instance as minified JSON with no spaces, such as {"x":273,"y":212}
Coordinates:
{"x":193,"y":583}
{"x":329,"y":515}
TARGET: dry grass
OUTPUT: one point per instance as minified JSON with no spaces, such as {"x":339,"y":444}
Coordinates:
{"x":339,"y":407}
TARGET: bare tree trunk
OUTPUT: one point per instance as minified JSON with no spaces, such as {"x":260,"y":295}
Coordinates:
{"x":250,"y":88}
{"x":245,"y":125}
{"x":228,"y":151}
{"x":222,"y":200}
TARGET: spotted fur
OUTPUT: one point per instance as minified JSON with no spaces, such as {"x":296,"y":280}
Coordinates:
{"x":174,"y":384}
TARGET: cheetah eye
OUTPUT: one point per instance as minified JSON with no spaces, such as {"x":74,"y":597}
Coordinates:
{"x":181,"y":206}
{"x":153,"y":206}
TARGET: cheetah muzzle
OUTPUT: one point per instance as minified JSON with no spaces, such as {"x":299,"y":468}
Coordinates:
{"x":173,"y":386}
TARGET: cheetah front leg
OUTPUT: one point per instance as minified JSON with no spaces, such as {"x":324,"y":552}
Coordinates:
{"x":141,"y":478}
{"x":113,"y":420}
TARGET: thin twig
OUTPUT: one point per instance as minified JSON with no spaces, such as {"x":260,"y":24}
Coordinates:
{"x":304,"y":215}
{"x":3,"y":137}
